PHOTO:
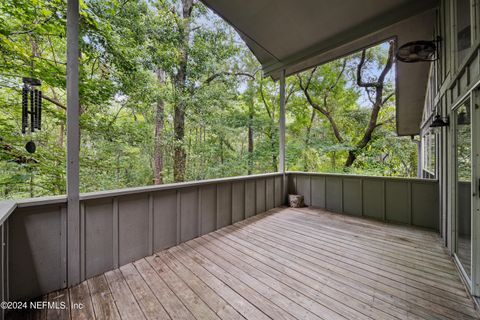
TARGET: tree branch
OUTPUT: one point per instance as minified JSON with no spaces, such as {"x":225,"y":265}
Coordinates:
{"x":321,"y":109}
{"x":262,"y":95}
{"x":220,"y":74}
{"x":388,"y":98}
{"x":55,"y":102}
{"x":339,"y":76}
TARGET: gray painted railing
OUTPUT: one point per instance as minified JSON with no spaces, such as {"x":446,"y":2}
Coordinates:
{"x":6,"y":209}
{"x":121,"y":226}
{"x":390,"y":199}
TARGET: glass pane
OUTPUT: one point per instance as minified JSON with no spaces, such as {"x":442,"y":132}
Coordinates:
{"x":464,"y":33}
{"x":464,"y":192}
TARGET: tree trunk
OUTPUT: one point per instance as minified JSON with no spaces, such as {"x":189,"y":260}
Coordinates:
{"x":180,"y":156}
{"x":250,"y":146}
{"x":159,"y":124}
{"x":307,"y":140}
{"x":251,"y":112}
{"x":351,"y":159}
{"x":377,"y":102}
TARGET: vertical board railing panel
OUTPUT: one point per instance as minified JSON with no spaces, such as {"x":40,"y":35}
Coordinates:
{"x":124,"y":225}
{"x":224,"y":205}
{"x":425,"y":212}
{"x":188,"y":214}
{"x":250,"y":198}
{"x":208,"y":208}
{"x":98,"y":236}
{"x":269,"y":193}
{"x":352,"y":196}
{"x":164,"y":219}
{"x":279,"y":198}
{"x":373,"y":199}
{"x":318,"y":191}
{"x":4,"y":265}
{"x":333,"y":194}
{"x":260,"y":196}
{"x":397,"y":200}
{"x":132,"y":227}
{"x":121,"y":226}
{"x":303,"y":186}
{"x":36,"y":258}
{"x":238,"y":201}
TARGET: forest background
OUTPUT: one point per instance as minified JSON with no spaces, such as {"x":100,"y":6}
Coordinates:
{"x":170,"y":93}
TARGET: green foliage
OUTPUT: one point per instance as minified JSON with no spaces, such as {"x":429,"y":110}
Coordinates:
{"x":123,"y":45}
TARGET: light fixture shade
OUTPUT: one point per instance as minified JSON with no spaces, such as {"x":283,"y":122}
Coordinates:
{"x":438,"y":122}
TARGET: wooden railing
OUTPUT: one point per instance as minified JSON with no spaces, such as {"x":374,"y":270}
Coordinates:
{"x":120,"y":226}
{"x":390,"y":199}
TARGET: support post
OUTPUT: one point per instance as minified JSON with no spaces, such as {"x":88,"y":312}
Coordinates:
{"x":282,"y":133}
{"x":73,"y":144}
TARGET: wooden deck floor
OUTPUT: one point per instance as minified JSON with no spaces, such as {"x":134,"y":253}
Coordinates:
{"x":285,"y":264}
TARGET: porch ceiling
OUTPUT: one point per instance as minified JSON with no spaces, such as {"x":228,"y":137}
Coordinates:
{"x":296,"y":35}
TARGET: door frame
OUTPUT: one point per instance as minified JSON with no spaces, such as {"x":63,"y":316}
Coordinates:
{"x":475,"y":121}
{"x":472,"y":281}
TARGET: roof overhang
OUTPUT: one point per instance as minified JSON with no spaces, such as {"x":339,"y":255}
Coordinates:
{"x":296,"y":35}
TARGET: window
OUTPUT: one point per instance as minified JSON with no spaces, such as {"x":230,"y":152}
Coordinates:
{"x":464,"y":29}
{"x":429,"y":155}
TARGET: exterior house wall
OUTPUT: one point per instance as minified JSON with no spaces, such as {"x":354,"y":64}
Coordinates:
{"x":454,"y":77}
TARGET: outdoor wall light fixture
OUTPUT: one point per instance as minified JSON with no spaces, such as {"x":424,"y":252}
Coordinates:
{"x":439,"y":122}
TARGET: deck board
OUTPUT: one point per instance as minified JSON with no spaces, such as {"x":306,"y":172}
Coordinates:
{"x":284,"y":264}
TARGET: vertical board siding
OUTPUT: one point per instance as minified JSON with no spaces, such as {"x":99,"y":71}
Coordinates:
{"x":238,"y":201}
{"x":188,"y":214}
{"x":164,"y":219}
{"x":397,"y":202}
{"x":250,"y":198}
{"x":318,"y":192}
{"x":98,"y":236}
{"x":120,"y":228}
{"x":208,"y":208}
{"x":269,"y":193}
{"x":373,"y":199}
{"x":405,"y":201}
{"x":4,"y":266}
{"x":260,"y":196}
{"x":292,"y":183}
{"x":334,"y":194}
{"x":132,"y":228}
{"x":279,"y":199}
{"x":352,"y":196}
{"x":303,"y":187}
{"x":36,"y":261}
{"x":425,"y":205}
{"x":224,"y":205}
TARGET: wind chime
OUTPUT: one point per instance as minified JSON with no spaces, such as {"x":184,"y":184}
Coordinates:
{"x":31,"y":109}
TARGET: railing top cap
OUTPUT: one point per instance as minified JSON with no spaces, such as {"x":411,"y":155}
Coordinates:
{"x":54,"y":200}
{"x":343,"y":175}
{"x":7,"y":207}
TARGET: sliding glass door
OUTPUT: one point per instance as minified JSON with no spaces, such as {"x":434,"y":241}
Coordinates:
{"x":463,"y":185}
